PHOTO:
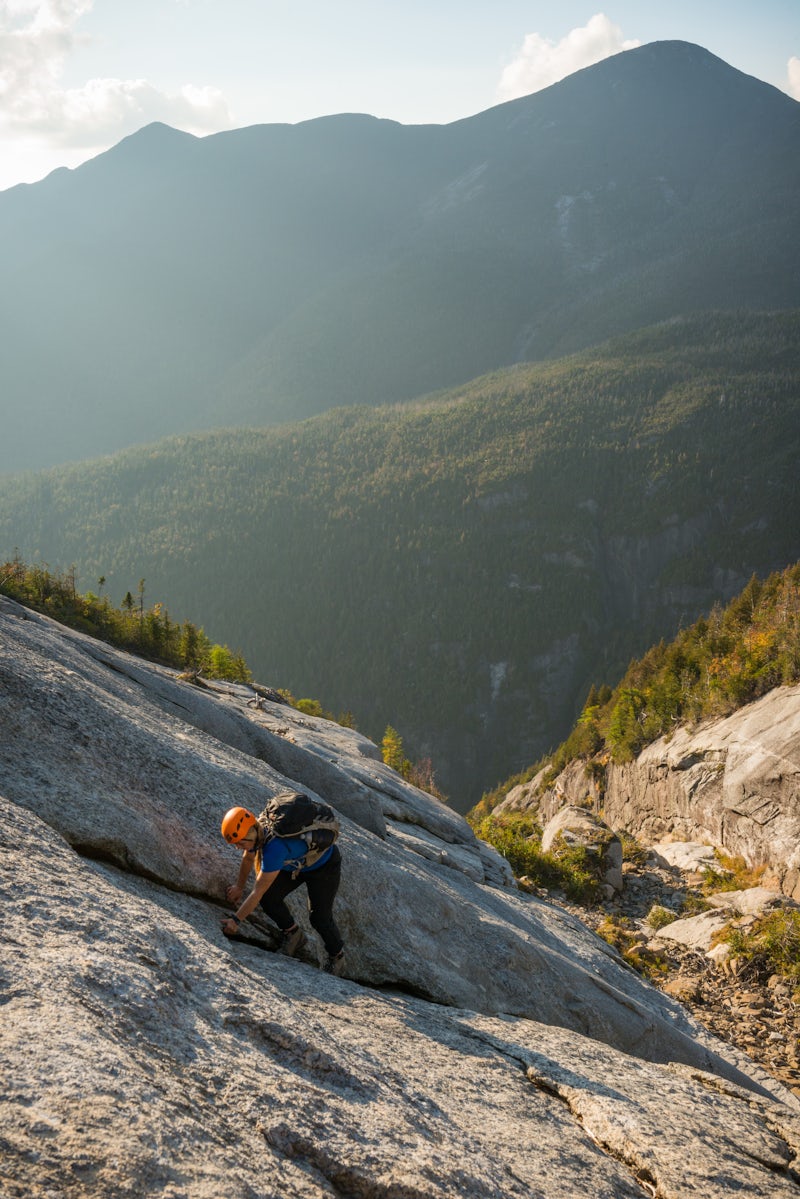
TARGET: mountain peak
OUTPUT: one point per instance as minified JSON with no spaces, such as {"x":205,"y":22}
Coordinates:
{"x":364,"y":261}
{"x":151,"y":148}
{"x":159,"y":130}
{"x":672,"y":63}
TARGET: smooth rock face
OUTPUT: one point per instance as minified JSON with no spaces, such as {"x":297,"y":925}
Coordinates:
{"x":178,"y":1065}
{"x":733,"y":783}
{"x":144,"y":1054}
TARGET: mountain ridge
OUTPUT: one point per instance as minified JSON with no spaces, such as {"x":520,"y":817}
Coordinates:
{"x":264,"y":274}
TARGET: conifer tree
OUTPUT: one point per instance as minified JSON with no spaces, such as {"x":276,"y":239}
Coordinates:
{"x":190,"y":646}
{"x":392,"y":749}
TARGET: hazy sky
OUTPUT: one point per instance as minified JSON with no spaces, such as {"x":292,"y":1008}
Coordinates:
{"x":76,"y":76}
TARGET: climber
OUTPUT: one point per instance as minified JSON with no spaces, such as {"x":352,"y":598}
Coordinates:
{"x":281,"y":869}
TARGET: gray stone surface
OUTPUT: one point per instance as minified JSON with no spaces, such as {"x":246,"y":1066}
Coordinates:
{"x":522,"y":799}
{"x":696,"y":932}
{"x":107,"y":750}
{"x":686,"y":855}
{"x":134,"y":767}
{"x":143,"y":1054}
{"x":572,"y":788}
{"x":753,"y":901}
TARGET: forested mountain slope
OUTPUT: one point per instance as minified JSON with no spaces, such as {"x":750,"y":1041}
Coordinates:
{"x":698,"y":741}
{"x":463,"y":567}
{"x":270,"y":273}
{"x":726,"y":659}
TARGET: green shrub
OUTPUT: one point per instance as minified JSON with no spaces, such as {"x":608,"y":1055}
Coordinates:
{"x":621,"y":933}
{"x":773,"y":940}
{"x":571,"y":869}
{"x":724,"y":660}
{"x":659,"y":917}
{"x":734,"y":875}
{"x":693,"y":904}
{"x":312,"y":707}
{"x":148,"y":632}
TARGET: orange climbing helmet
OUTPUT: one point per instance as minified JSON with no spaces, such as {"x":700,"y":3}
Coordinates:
{"x":236,"y":824}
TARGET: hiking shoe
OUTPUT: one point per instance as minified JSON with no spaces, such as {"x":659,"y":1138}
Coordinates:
{"x":292,"y":941}
{"x":335,"y":964}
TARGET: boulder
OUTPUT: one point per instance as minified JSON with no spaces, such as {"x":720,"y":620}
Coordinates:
{"x":695,"y":932}
{"x":753,"y":901}
{"x":577,"y":826}
{"x":685,"y":855}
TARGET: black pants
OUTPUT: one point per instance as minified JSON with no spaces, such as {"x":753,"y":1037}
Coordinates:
{"x":322,"y":885}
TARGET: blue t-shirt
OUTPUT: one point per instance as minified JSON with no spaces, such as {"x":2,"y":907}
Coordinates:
{"x":283,"y":853}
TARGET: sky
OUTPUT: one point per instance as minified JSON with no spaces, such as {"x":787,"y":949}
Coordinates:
{"x":77,"y":76}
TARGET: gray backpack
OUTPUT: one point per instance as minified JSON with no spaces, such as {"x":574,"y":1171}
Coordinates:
{"x":294,"y":814}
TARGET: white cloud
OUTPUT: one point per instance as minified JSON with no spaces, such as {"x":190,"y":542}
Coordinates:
{"x":36,"y":39}
{"x":541,"y":62}
{"x":793,"y":71}
{"x":112,"y":108}
{"x":36,"y":36}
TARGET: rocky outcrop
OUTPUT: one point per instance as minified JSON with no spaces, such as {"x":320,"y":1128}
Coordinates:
{"x":134,"y":767}
{"x":686,"y":855}
{"x":734,"y":783}
{"x":699,"y":932}
{"x":146,"y":1055}
{"x":737,"y":997}
{"x":573,"y":787}
{"x":578,"y":827}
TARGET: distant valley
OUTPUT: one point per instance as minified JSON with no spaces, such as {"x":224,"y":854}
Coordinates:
{"x":465,"y":567}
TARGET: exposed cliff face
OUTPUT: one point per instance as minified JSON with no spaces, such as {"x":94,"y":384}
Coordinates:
{"x":731,"y":783}
{"x":627,"y":605}
{"x":734,"y":783}
{"x":572,"y":787}
{"x":174,"y":1063}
